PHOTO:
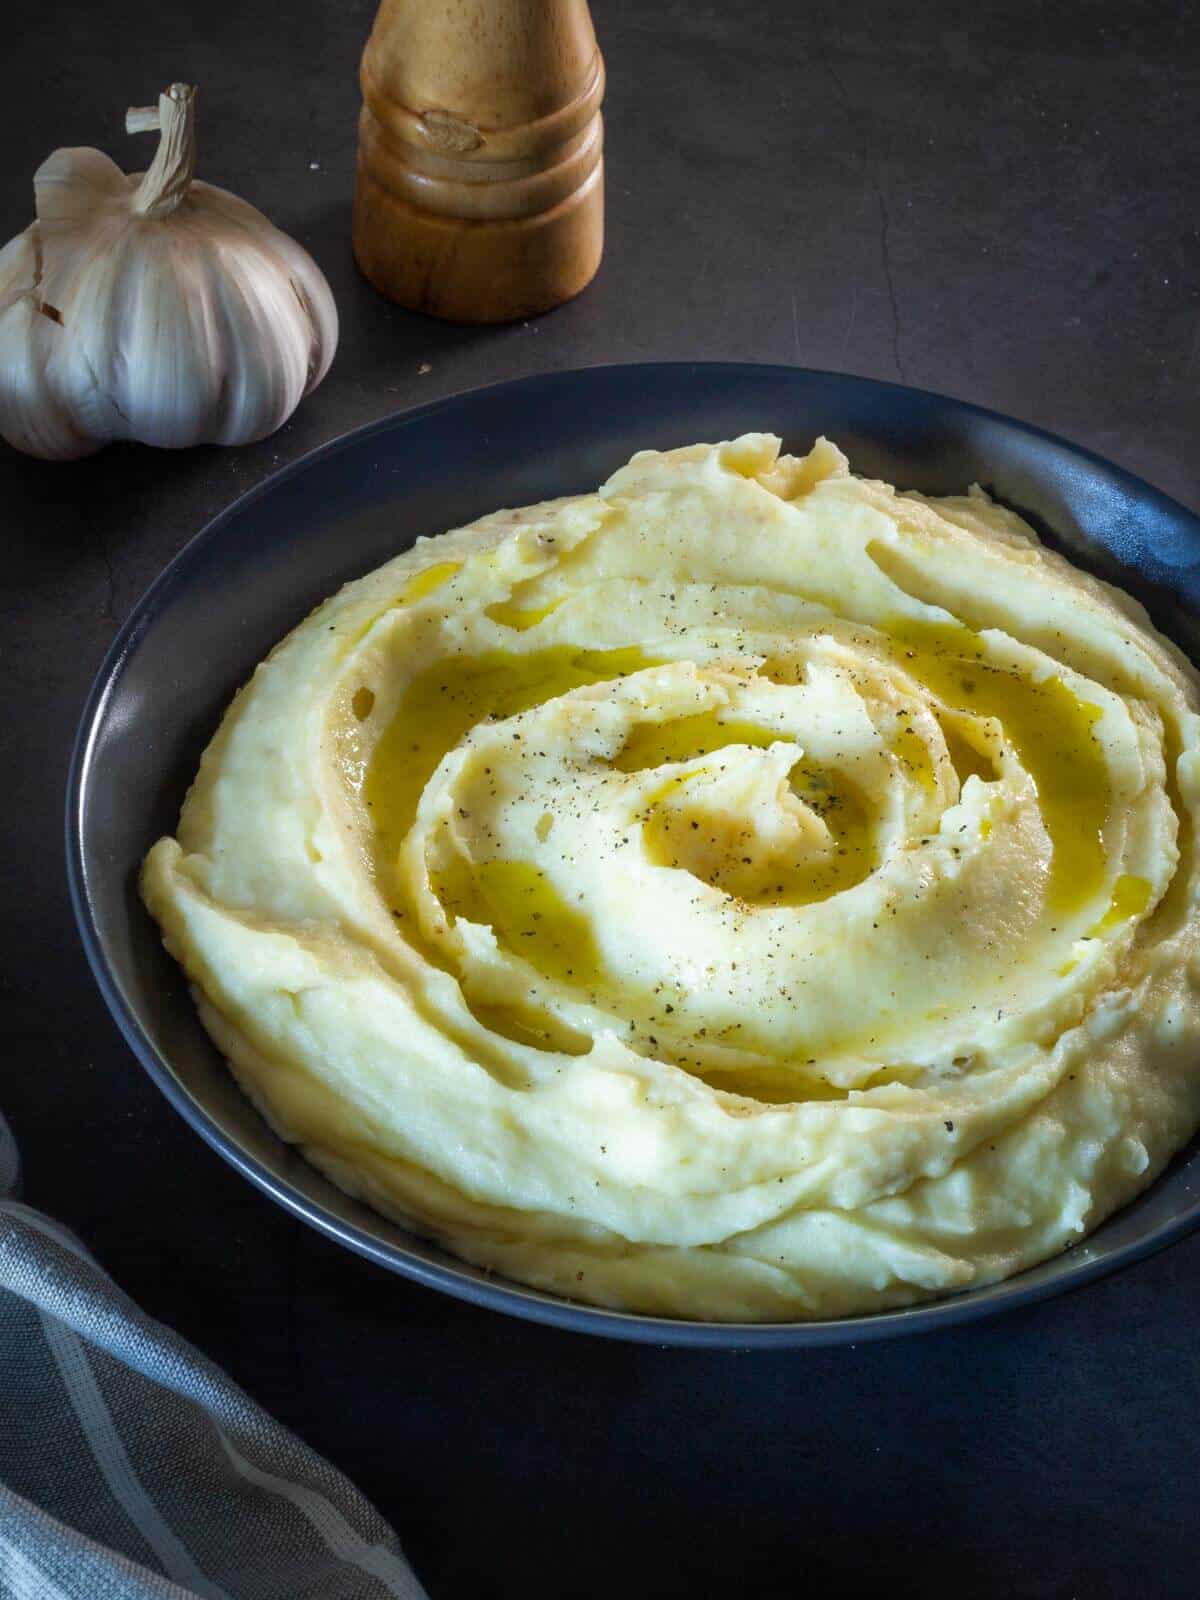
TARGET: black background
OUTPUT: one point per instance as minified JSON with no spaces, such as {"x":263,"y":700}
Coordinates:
{"x":998,"y":202}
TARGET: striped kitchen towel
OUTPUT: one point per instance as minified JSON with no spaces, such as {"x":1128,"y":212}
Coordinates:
{"x":131,"y":1468}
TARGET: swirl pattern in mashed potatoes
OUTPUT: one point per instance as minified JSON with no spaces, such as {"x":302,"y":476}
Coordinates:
{"x":744,"y":892}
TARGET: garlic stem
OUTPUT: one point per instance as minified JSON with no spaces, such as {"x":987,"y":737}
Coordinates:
{"x":169,"y":175}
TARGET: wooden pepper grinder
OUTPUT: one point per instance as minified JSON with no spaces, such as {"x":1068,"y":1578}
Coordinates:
{"x":480,"y":193}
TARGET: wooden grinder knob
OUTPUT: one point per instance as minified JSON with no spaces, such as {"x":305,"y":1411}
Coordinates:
{"x":480,"y":192}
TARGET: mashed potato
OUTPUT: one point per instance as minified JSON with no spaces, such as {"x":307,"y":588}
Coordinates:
{"x":745,"y":892}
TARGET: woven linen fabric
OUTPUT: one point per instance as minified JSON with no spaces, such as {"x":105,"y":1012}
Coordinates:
{"x":132,"y":1468}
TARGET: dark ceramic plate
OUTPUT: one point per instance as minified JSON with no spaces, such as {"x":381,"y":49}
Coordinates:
{"x":262,"y":565}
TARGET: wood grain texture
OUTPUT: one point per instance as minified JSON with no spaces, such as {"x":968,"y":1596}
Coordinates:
{"x":480,"y":186}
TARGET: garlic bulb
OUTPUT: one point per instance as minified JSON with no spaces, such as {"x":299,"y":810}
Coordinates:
{"x":153,"y":307}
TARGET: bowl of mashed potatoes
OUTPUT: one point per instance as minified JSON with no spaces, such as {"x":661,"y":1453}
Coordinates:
{"x":751,"y":893}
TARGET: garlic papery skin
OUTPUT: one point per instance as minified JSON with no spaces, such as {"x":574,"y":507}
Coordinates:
{"x":153,"y":306}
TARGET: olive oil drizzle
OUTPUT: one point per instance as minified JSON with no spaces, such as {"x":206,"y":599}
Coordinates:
{"x":1050,"y":729}
{"x":1052,"y":732}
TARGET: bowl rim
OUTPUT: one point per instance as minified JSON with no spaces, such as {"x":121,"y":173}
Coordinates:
{"x":465,"y":1282}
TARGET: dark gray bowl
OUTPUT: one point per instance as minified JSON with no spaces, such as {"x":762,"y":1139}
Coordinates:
{"x":263,"y":564}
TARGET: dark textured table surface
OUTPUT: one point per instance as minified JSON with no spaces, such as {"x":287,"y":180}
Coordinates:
{"x":998,"y":202}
